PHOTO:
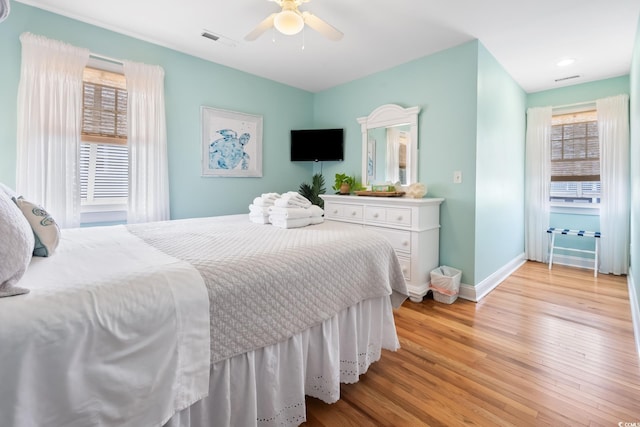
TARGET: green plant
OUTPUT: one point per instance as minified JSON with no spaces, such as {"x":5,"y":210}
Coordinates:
{"x":342,"y":178}
{"x":312,"y":192}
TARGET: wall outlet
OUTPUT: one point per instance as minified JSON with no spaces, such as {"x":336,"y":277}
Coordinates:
{"x":457,"y":177}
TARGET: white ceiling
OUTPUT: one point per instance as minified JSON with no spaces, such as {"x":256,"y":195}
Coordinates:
{"x":526,"y":37}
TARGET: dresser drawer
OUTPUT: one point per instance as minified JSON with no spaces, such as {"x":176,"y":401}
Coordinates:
{"x":375,"y":214}
{"x":405,"y":264}
{"x":398,"y":216}
{"x":390,"y":216}
{"x":399,"y":239}
{"x":343,"y":211}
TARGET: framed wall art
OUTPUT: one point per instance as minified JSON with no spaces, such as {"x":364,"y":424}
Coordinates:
{"x":231,"y":143}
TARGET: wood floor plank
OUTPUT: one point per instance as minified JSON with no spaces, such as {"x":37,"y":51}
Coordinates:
{"x":546,"y":347}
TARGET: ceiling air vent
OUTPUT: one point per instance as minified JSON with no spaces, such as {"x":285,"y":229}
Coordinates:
{"x":210,"y":36}
{"x":218,"y":38}
{"x":567,"y":78}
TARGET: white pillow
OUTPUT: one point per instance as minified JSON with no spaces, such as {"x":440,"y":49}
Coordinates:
{"x":8,"y":191}
{"x":16,"y":246}
{"x":45,"y":229}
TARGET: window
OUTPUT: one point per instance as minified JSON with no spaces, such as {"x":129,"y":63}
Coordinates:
{"x":104,"y":163}
{"x":575,"y":158}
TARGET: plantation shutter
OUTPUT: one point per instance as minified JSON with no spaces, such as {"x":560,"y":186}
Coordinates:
{"x":575,"y":149}
{"x":104,"y":157}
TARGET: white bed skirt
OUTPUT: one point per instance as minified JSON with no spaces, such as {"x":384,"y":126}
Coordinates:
{"x":267,"y":387}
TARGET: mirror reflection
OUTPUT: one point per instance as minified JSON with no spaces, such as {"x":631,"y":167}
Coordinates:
{"x":387,"y":150}
{"x":390,"y":145}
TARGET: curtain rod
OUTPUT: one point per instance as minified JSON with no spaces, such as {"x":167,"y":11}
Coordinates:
{"x":106,"y":58}
{"x":577,"y":104}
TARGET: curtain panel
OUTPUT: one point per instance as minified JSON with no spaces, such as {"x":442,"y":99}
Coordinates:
{"x":48,"y":129}
{"x":537,"y":176}
{"x":147,"y":141}
{"x":613,"y":129}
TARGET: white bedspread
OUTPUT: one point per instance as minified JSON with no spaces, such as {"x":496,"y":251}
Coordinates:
{"x":113,"y":333}
{"x":267,"y":284}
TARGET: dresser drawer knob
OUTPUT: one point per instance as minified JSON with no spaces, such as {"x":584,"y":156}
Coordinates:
{"x":353,"y":213}
{"x":375,"y":215}
{"x":400,"y":218}
{"x":335,"y":211}
{"x":405,"y":243}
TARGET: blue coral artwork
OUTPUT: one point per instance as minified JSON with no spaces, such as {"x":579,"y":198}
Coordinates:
{"x":231,"y":143}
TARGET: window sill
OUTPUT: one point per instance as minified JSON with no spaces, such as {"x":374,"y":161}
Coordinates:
{"x":103,"y":213}
{"x":575,"y":208}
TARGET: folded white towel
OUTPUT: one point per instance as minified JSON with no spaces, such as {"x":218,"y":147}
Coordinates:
{"x":316,"y":211}
{"x":272,"y":196}
{"x":290,"y":213}
{"x":292,"y":200}
{"x":317,"y":219}
{"x":259,"y":210}
{"x":266,"y":199}
{"x":289,"y":223}
{"x":259,"y":219}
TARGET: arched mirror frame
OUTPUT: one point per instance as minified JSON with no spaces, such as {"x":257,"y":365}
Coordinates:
{"x":391,"y":115}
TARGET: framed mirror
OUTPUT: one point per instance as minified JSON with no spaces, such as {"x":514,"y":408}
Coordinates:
{"x":390,"y":145}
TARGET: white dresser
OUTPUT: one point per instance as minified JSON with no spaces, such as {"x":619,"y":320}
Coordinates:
{"x":412,"y":226}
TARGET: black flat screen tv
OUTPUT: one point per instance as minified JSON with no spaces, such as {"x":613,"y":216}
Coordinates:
{"x":317,"y":145}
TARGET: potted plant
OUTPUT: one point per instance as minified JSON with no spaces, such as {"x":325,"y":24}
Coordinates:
{"x":345,"y":184}
{"x":312,"y":192}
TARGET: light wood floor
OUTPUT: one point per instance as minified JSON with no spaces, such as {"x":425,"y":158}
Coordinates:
{"x":544,"y":348}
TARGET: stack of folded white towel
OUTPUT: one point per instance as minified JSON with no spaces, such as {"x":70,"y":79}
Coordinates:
{"x":259,"y":209}
{"x":292,"y":210}
{"x":289,"y":210}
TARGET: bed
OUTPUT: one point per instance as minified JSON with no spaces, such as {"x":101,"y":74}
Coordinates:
{"x":199,"y":322}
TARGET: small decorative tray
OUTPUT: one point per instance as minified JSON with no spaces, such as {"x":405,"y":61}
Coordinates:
{"x":380,"y":193}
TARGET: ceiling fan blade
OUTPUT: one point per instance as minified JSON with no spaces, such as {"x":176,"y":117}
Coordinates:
{"x":322,"y":27}
{"x":261,"y":28}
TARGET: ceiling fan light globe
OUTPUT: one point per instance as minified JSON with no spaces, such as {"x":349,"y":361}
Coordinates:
{"x":288,"y":22}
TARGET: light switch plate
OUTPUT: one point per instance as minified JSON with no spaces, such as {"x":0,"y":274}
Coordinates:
{"x":457,"y":177}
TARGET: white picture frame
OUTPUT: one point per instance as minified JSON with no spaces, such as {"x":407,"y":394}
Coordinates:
{"x":231,"y":143}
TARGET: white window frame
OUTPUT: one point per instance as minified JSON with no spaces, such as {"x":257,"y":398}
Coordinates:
{"x":575,"y":208}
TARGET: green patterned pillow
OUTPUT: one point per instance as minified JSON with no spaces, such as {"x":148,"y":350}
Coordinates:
{"x":45,"y":229}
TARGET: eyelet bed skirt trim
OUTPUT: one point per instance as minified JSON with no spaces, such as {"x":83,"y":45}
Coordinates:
{"x":267,"y":387}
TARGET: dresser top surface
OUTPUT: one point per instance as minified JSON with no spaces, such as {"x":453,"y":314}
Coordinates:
{"x":404,"y":201}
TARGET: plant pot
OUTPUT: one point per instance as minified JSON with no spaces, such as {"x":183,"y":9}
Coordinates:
{"x":345,"y":188}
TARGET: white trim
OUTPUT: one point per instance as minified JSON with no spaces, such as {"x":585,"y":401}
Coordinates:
{"x":482,"y":289}
{"x":574,"y":208}
{"x":635,"y":309}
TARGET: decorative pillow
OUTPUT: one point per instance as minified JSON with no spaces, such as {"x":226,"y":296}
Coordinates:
{"x":16,"y":246}
{"x":45,"y":229}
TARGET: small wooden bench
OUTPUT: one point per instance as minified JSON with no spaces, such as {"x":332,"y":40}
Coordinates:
{"x":582,"y":233}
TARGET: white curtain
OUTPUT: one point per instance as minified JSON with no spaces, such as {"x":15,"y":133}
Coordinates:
{"x":613,"y":128}
{"x":147,"y":140}
{"x":5,"y":8}
{"x":537,"y":177}
{"x":393,"y":155}
{"x":49,"y":122}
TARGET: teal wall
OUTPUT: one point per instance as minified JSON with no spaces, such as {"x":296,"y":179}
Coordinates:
{"x":499,"y":186}
{"x":189,"y":83}
{"x":586,"y":92}
{"x":635,"y":163}
{"x":472,"y":119}
{"x":444,"y":86}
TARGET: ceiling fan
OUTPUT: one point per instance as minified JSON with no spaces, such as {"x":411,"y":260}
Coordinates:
{"x":290,"y":21}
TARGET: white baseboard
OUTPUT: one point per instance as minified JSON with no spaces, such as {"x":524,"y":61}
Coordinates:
{"x":635,"y":309}
{"x":476,"y":293}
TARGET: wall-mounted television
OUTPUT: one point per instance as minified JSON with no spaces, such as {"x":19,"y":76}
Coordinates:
{"x":317,"y":145}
